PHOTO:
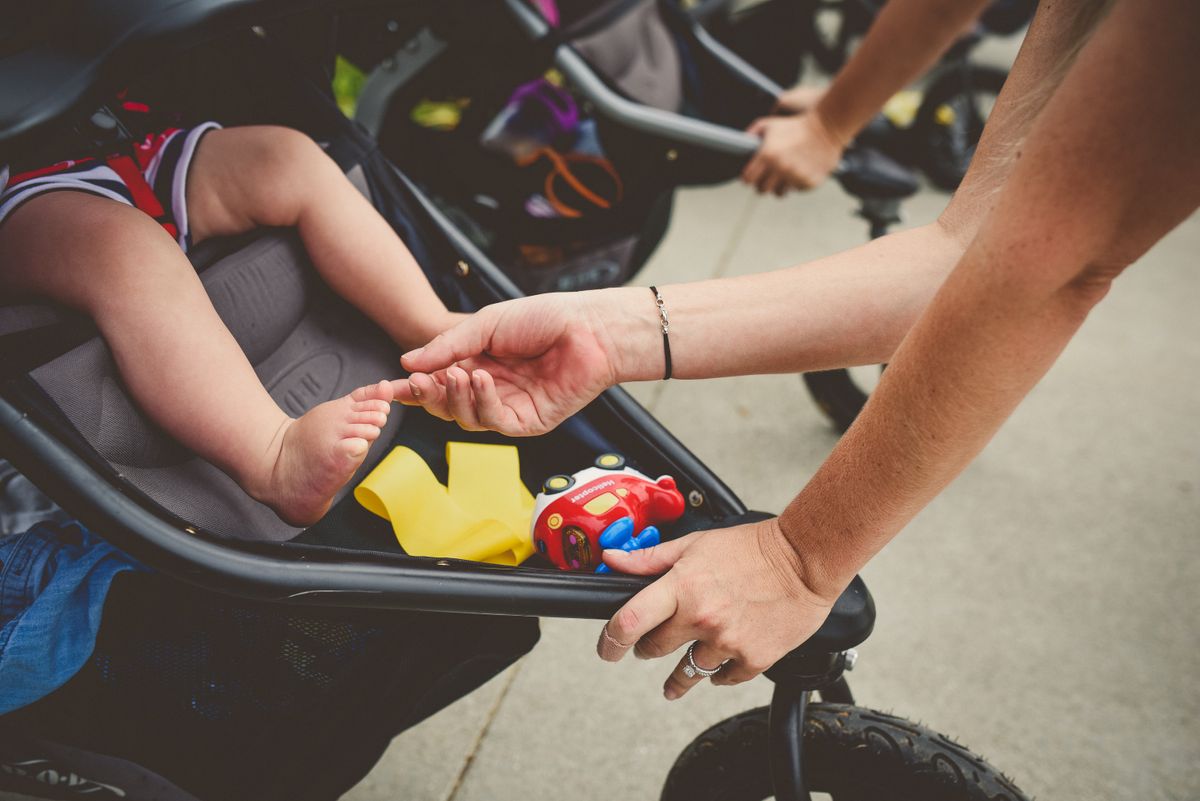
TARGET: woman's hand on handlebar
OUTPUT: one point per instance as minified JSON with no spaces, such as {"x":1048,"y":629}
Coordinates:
{"x":523,"y":366}
{"x":796,"y":153}
{"x":740,"y":593}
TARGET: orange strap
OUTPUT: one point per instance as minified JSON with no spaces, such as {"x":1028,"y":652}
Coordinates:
{"x":561,"y":168}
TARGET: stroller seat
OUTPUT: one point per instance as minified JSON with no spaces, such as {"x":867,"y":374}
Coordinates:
{"x":306,"y":345}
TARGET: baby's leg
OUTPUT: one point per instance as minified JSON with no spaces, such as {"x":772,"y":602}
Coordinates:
{"x":266,"y":175}
{"x":179,"y":361}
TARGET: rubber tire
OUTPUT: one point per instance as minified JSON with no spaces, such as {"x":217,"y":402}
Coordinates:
{"x":851,"y":753}
{"x":835,"y":392}
{"x":942,"y":164}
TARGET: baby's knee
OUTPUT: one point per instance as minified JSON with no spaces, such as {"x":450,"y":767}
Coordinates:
{"x":286,"y":150}
{"x":287,"y":168}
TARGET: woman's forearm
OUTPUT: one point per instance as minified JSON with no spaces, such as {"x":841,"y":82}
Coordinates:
{"x":853,"y":307}
{"x":964,"y":367}
{"x":1060,"y":233}
{"x":849,"y":308}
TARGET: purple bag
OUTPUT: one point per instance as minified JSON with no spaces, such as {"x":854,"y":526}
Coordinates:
{"x":536,"y":115}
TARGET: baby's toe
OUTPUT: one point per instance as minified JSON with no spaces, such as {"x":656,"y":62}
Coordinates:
{"x":374,"y":418}
{"x":354,"y":447}
{"x":373,"y":405}
{"x":364,"y":431}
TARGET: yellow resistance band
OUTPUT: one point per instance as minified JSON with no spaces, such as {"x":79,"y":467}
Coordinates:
{"x":483,"y":514}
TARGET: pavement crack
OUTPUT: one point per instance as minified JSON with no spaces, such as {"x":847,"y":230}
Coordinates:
{"x":735,"y":236}
{"x":483,"y":731}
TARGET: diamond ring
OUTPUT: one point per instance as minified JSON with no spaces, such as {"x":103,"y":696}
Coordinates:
{"x":692,"y":670}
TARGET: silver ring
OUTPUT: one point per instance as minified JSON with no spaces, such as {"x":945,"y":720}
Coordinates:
{"x":691,"y":669}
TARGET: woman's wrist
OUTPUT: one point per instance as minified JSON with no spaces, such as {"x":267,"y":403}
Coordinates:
{"x":830,"y":120}
{"x":823,"y":566}
{"x":632,"y":324}
{"x":791,"y":569}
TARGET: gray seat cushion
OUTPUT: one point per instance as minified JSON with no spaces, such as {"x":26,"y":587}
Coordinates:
{"x":639,"y":55}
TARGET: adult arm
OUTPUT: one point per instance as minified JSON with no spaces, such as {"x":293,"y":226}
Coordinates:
{"x":523,"y":366}
{"x":1094,"y":187}
{"x":904,"y":41}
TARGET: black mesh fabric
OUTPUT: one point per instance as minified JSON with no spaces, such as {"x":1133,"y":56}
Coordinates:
{"x":231,"y":699}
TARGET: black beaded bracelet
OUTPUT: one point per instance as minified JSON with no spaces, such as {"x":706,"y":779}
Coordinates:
{"x":666,"y":329}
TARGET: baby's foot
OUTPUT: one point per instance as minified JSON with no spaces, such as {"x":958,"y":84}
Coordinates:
{"x":318,"y":453}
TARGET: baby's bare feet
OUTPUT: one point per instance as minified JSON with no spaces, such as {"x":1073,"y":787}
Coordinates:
{"x":318,"y":453}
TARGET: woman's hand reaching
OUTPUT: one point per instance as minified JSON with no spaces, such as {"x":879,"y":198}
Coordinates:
{"x":523,"y":366}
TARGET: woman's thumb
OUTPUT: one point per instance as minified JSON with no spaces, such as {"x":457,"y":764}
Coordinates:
{"x":652,"y":561}
{"x":452,"y":345}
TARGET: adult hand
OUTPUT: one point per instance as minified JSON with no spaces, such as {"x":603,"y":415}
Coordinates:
{"x":796,"y":153}
{"x":520,"y":367}
{"x":799,"y":99}
{"x":742,"y":593}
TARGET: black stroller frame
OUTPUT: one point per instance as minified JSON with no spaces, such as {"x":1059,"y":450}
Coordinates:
{"x":65,"y":467}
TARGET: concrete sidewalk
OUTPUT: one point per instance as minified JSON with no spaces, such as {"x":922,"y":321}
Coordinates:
{"x":1044,"y":610}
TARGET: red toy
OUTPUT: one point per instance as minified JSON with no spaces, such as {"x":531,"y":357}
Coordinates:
{"x":576,"y":516}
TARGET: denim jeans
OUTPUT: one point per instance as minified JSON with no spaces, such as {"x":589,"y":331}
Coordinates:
{"x":53,"y":581}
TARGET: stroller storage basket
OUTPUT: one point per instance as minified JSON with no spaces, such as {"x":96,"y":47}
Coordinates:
{"x":693,"y":137}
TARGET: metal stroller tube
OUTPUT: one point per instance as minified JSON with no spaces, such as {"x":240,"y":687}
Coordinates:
{"x":320,"y":579}
{"x":635,"y":116}
{"x":736,"y":62}
{"x":500,"y":282}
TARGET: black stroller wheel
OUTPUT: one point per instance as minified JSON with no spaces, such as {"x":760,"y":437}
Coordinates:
{"x":950,"y":120}
{"x":850,"y":753}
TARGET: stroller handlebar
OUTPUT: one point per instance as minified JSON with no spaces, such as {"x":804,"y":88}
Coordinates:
{"x":863,"y":172}
{"x":653,"y":121}
{"x":633,"y":115}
